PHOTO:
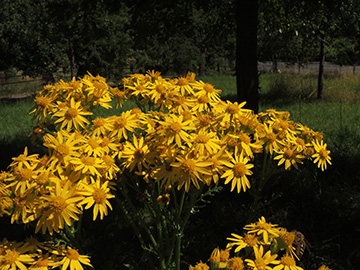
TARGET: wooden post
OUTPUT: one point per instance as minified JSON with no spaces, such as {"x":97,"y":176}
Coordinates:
{"x":2,"y":80}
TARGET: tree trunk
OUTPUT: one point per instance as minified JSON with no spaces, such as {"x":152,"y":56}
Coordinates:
{"x":246,"y":54}
{"x":321,"y":67}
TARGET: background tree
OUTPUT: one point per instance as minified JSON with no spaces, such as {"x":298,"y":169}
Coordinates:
{"x":246,"y":53}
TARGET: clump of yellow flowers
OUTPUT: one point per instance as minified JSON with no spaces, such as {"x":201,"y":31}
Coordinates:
{"x":179,"y":136}
{"x":263,"y":246}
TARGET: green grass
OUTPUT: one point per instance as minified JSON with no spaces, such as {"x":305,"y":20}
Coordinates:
{"x":15,"y":120}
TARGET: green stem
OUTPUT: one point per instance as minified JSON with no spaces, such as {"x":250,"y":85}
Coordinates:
{"x":134,"y":227}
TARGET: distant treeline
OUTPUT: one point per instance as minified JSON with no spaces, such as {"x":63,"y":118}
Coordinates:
{"x":112,"y":38}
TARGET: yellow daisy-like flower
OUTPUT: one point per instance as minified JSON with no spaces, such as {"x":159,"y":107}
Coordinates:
{"x":97,"y":194}
{"x":13,"y":258}
{"x":266,"y":230}
{"x":203,"y":103}
{"x":23,"y":206}
{"x":262,"y":260}
{"x":138,"y":89}
{"x":73,"y":260}
{"x":92,"y":146}
{"x":271,"y":141}
{"x":88,"y":165}
{"x":135,"y":153}
{"x":290,"y":156}
{"x":206,"y":89}
{"x":43,"y":106}
{"x":101,"y":126}
{"x":238,"y":169}
{"x":249,"y":240}
{"x":182,"y":84}
{"x":190,"y":170}
{"x":288,"y":239}
{"x":181,"y":104}
{"x":22,"y":179}
{"x":175,"y":129}
{"x":287,"y":263}
{"x":72,"y":116}
{"x":205,"y":142}
{"x":158,"y":90}
{"x":59,"y":206}
{"x":321,"y":155}
{"x":217,"y":167}
{"x":44,"y":262}
{"x":123,"y":124}
{"x":24,"y":160}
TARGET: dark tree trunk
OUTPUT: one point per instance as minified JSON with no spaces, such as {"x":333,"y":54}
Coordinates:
{"x":321,"y":67}
{"x":246,"y":54}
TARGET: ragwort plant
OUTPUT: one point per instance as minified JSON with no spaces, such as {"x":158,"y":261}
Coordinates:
{"x":156,"y":162}
{"x":263,"y":246}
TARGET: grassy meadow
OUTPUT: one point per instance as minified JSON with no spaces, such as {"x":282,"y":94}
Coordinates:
{"x":324,"y":206}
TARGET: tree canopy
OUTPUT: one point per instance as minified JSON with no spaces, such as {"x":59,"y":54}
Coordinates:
{"x":111,"y":38}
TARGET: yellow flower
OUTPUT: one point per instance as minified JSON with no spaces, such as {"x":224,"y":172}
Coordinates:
{"x":72,"y":116}
{"x":267,"y":230}
{"x":123,"y":124}
{"x":101,"y":126}
{"x":215,"y":256}
{"x":44,"y":262}
{"x":272,"y":142}
{"x":63,"y":146}
{"x":23,"y":206}
{"x":237,"y":172}
{"x":73,"y":259}
{"x":22,"y":179}
{"x":92,"y":146}
{"x":59,"y":206}
{"x":235,"y":263}
{"x":217,"y":167}
{"x":138,"y":89}
{"x":190,"y":170}
{"x":43,"y":106}
{"x":97,"y":194}
{"x":290,"y":156}
{"x":262,"y":260}
{"x":200,"y":266}
{"x":206,"y":89}
{"x":88,"y":165}
{"x":288,"y":239}
{"x":287,"y":263}
{"x":249,"y":240}
{"x":183,"y":86}
{"x":175,"y":129}
{"x":135,"y":153}
{"x":181,"y":104}
{"x":204,"y":142}
{"x":24,"y":160}
{"x":321,"y":155}
{"x":14,"y":259}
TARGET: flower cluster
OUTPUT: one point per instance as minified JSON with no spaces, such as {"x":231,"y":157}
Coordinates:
{"x":263,"y":246}
{"x":32,"y":254}
{"x":181,"y":135}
